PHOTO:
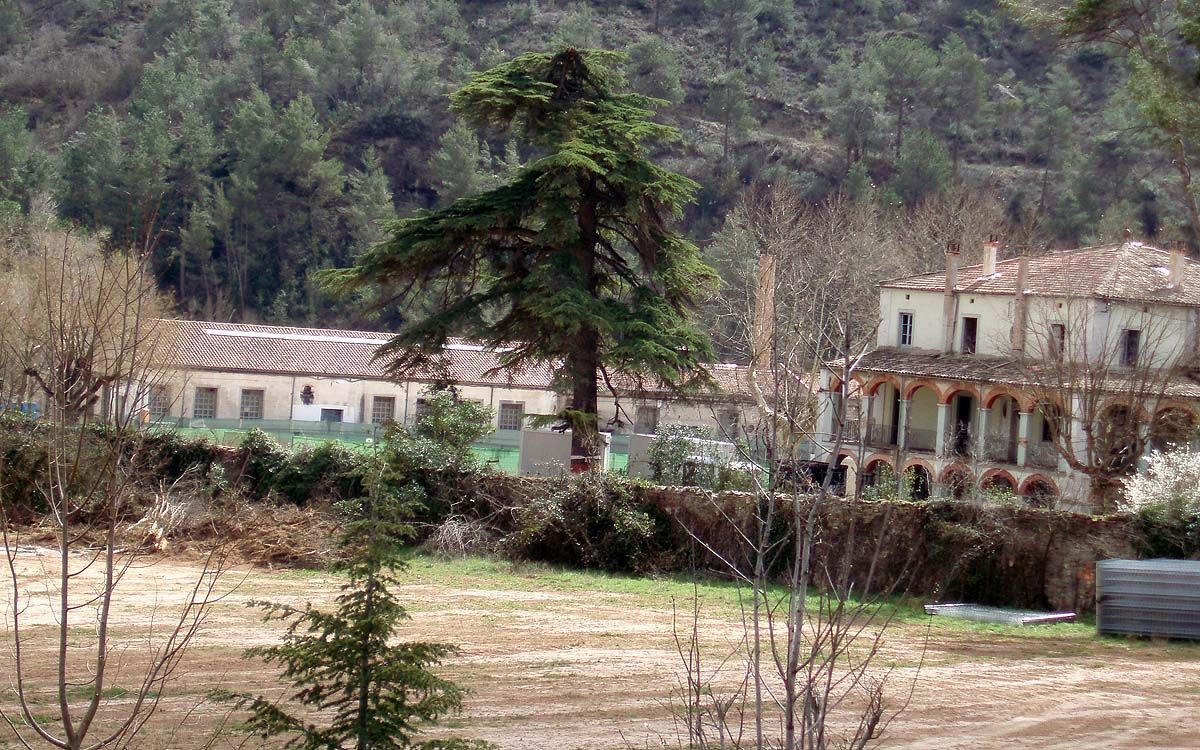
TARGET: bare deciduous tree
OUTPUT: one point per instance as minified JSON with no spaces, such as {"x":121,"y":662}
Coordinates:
{"x":77,"y":328}
{"x":803,"y":675}
{"x":1101,"y":374}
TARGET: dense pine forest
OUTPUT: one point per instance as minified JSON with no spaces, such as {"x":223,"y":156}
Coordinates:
{"x":255,"y":142}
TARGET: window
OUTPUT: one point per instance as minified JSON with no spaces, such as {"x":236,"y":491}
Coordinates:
{"x":512,"y":415}
{"x":383,"y":409}
{"x":645,"y":421}
{"x":727,"y":424}
{"x":158,"y":402}
{"x":252,"y":404}
{"x":420,"y":411}
{"x":970,"y":335}
{"x":205,"y":405}
{"x":1131,"y":341}
{"x":906,"y":329}
{"x":331,"y":415}
{"x":1058,"y":340}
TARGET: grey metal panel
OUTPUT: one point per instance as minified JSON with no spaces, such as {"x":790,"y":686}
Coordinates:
{"x":1149,"y":597}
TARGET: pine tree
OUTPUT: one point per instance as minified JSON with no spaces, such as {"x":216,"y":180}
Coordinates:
{"x":571,"y":262}
{"x":903,"y":70}
{"x":728,"y":103}
{"x":962,"y":82}
{"x":378,"y":695}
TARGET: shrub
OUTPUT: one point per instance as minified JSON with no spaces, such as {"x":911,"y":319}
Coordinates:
{"x":590,"y":521}
{"x":1169,"y":487}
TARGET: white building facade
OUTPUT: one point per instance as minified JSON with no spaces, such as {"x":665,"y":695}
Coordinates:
{"x":947,"y":396}
{"x":237,"y":376}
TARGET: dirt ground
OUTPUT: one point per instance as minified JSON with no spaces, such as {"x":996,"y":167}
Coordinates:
{"x":557,"y":660}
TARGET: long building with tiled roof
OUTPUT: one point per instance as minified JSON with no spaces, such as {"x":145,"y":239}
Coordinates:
{"x":327,"y":352}
{"x":239,"y":375}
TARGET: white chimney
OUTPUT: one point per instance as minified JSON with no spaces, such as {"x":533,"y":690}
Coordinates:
{"x":1178,"y":264}
{"x":991,"y":249}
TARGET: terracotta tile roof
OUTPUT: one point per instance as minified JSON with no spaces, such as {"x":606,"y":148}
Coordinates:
{"x":1126,"y":271}
{"x":325,"y":352}
{"x":730,"y":379}
{"x":997,"y":370}
{"x":331,"y":353}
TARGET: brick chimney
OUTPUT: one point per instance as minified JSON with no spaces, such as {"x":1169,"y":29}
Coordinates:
{"x":991,"y":249}
{"x":1020,"y":304}
{"x":949,"y":301}
{"x":1178,"y":264}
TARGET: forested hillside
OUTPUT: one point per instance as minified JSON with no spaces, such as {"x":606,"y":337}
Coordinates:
{"x":262,"y":140}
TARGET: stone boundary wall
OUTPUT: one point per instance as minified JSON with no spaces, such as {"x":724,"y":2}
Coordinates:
{"x":944,"y":551}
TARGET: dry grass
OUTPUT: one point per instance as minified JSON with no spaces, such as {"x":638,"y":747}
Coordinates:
{"x":562,"y":660}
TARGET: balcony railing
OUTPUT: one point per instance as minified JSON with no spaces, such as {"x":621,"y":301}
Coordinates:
{"x":921,"y":440}
{"x":1000,"y":449}
{"x":1042,"y":454}
{"x":880,"y":435}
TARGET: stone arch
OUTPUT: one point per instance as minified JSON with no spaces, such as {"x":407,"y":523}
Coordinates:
{"x":872,"y":466}
{"x":957,"y":479}
{"x":954,"y":389}
{"x":1024,"y":401}
{"x":920,"y":383}
{"x":921,"y":474}
{"x":1031,"y":481}
{"x":872,"y":386}
{"x":993,"y":478}
{"x":1118,"y":433}
{"x":1039,"y":491}
{"x":1172,"y":424}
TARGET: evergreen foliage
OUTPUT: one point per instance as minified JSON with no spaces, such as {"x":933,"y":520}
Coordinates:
{"x":165,"y":113}
{"x":572,"y":260}
{"x":377,"y":694}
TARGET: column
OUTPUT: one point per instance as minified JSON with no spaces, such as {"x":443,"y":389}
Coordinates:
{"x":1078,"y":437}
{"x":827,"y":417}
{"x":866,"y":421}
{"x":939,"y":447}
{"x":902,"y":430}
{"x":983,"y":418}
{"x":1023,"y":422}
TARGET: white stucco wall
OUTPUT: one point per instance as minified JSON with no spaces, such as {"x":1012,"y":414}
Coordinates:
{"x":282,"y":395}
{"x":1167,"y":330}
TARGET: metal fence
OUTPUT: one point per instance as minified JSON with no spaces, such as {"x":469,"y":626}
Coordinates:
{"x":1149,"y":598}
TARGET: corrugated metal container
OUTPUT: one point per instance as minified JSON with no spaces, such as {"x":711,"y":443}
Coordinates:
{"x":1149,"y":597}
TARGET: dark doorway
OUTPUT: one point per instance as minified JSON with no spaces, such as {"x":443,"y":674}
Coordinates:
{"x":920,"y":482}
{"x":962,"y":424}
{"x":894,"y":437}
{"x":970,"y":335}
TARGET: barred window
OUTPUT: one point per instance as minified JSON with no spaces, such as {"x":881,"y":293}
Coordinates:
{"x":512,"y":415}
{"x":727,"y":424}
{"x":205,"y":405}
{"x":252,"y":404}
{"x":159,"y":401}
{"x":645,"y":421}
{"x":383,"y":409}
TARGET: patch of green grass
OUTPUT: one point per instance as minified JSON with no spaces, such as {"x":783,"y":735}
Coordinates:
{"x":724,"y":598}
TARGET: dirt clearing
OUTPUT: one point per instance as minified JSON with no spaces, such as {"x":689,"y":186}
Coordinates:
{"x":558,"y":660}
